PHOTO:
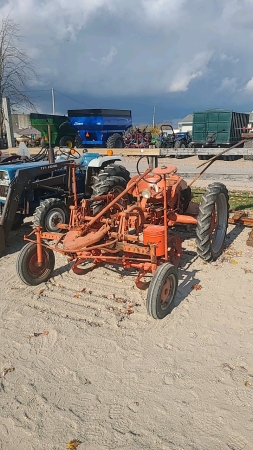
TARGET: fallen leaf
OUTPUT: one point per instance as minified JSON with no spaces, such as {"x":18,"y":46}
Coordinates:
{"x":234,"y":262}
{"x":83,"y":290}
{"x":44,"y":333}
{"x":73,"y":444}
{"x":120,"y":300}
{"x":168,"y":346}
{"x":77,"y":296}
{"x":246,"y":383}
{"x":41,"y":291}
{"x":90,"y":292}
{"x":129,"y":312}
{"x":5,"y":371}
{"x":197,"y":287}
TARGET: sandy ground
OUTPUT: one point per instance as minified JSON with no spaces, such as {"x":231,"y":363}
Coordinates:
{"x":115,"y":380}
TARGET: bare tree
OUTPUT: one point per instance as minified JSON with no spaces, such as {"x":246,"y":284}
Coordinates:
{"x":16,"y":69}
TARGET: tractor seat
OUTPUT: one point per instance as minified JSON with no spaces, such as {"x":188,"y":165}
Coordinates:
{"x":165,"y":170}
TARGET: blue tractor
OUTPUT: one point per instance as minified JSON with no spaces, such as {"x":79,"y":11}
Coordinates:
{"x":44,"y":188}
{"x":183,"y":140}
{"x":100,"y":127}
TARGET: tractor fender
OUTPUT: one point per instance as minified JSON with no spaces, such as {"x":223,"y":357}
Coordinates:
{"x":102,"y":161}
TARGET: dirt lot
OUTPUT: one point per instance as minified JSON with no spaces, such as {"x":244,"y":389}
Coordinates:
{"x":112,"y":377}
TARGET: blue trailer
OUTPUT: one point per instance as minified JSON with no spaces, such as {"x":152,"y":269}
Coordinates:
{"x":100,"y":127}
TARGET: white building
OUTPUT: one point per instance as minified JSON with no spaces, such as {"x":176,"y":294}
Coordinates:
{"x":185,"y":124}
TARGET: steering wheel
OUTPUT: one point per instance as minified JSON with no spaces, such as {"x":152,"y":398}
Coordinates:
{"x":159,"y":177}
{"x":65,"y":152}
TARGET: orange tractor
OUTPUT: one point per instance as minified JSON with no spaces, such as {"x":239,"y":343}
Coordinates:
{"x":134,"y":230}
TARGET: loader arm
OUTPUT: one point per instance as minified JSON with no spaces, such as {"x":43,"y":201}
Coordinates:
{"x":23,"y":179}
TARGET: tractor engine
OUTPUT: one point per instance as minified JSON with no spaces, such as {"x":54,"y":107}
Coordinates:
{"x":149,"y":194}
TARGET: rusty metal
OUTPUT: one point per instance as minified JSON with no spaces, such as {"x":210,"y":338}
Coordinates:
{"x":134,"y":236}
{"x":241,"y":218}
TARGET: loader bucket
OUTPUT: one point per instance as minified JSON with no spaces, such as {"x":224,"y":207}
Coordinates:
{"x":2,"y":239}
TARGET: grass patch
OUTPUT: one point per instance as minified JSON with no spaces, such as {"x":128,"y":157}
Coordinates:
{"x":238,"y":200}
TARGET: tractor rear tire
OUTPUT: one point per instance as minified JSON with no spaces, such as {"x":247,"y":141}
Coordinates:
{"x":115,"y":141}
{"x":78,"y":141}
{"x":112,"y":178}
{"x":18,"y":221}
{"x":27,"y":268}
{"x":162,"y":291}
{"x":112,"y":170}
{"x":49,"y":213}
{"x":211,"y":236}
{"x":67,"y":141}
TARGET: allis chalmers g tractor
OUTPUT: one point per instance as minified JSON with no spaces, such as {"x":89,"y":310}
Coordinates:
{"x":132,"y":229}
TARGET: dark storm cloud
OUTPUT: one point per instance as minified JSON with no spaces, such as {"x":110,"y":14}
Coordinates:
{"x":193,"y":52}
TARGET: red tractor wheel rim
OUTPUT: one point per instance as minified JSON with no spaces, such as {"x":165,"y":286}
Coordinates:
{"x":37,"y":270}
{"x":213,"y":221}
{"x":166,"y":292}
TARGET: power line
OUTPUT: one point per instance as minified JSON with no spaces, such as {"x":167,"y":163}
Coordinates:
{"x":73,"y":99}
{"x":36,"y":90}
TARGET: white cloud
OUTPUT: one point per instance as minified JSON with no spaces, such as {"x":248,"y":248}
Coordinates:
{"x":190,"y":71}
{"x":181,"y":83}
{"x":163,"y":11}
{"x":108,"y":59}
{"x":228,"y":58}
{"x":249,"y":85}
{"x":229,"y":84}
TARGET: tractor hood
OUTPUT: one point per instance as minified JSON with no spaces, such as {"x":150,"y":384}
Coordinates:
{"x":13,"y":168}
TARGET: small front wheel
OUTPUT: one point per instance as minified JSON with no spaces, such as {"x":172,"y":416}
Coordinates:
{"x":162,"y":291}
{"x":28,"y":269}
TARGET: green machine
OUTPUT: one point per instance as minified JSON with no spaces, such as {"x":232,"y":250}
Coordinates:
{"x":62,"y":133}
{"x":218,"y":128}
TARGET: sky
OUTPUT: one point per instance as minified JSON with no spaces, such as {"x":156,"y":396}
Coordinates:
{"x":178,"y":56}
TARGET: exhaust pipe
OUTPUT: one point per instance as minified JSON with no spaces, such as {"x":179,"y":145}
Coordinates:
{"x":51,"y":157}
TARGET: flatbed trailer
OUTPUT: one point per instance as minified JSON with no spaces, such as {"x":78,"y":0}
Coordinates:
{"x":167,"y":152}
{"x":162,"y":152}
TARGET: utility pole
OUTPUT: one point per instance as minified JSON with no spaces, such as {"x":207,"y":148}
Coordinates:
{"x":8,"y":122}
{"x":53,"y":104}
{"x":153,"y":121}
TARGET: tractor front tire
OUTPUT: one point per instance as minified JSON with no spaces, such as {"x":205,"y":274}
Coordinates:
{"x":49,"y":213}
{"x":18,"y":221}
{"x":67,"y":141}
{"x":28,"y":269}
{"x":212,"y":222}
{"x":113,"y":178}
{"x":115,"y":141}
{"x":162,"y":291}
